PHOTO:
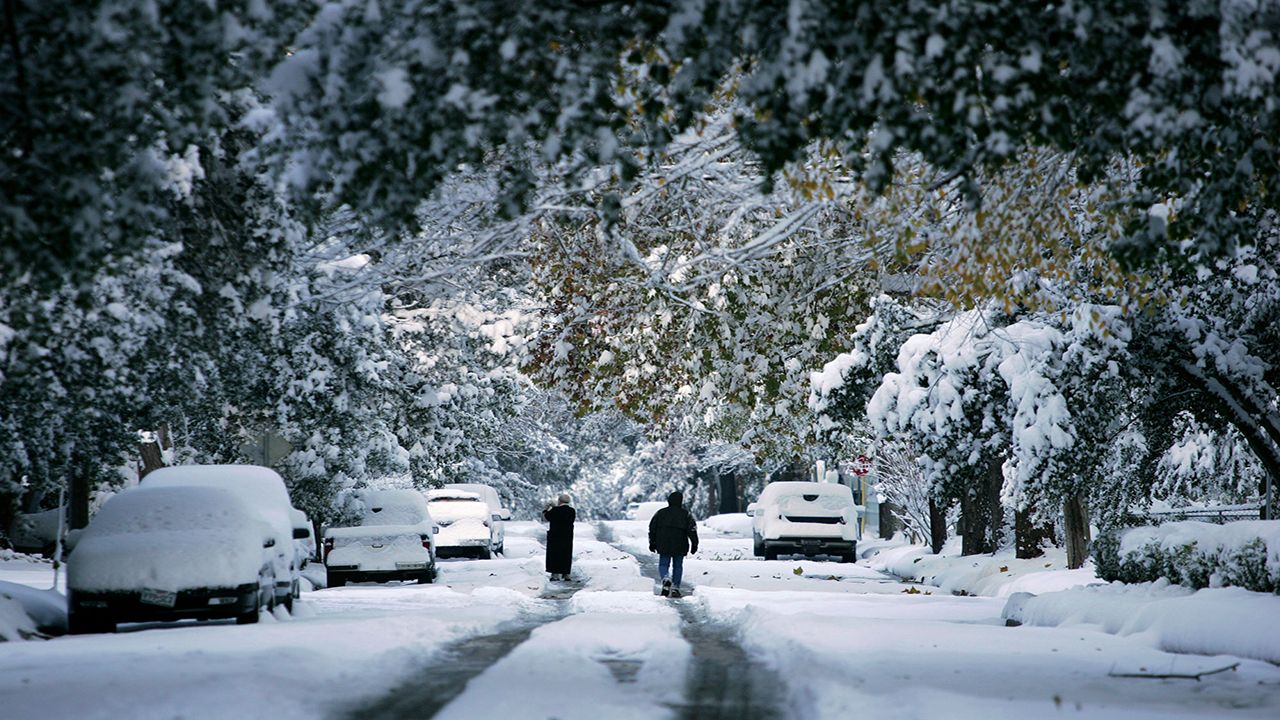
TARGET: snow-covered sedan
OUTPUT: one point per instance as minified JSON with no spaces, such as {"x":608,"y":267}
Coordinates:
{"x":466,"y":523}
{"x":805,"y":518}
{"x":394,"y":541}
{"x":167,"y":553}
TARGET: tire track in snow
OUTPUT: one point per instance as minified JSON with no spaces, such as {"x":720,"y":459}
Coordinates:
{"x":427,"y":691}
{"x":724,"y":682}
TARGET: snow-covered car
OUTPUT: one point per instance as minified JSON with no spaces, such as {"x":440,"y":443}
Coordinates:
{"x":263,"y":490}
{"x":466,"y":525}
{"x":166,"y":553}
{"x":630,"y":512}
{"x":497,"y":513}
{"x":392,"y":542}
{"x":804,"y":518}
{"x":304,"y":541}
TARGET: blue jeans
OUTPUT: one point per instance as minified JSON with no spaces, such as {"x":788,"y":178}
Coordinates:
{"x":675,"y":563}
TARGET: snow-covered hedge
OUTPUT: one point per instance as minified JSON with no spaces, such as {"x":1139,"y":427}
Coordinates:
{"x":1194,"y":554}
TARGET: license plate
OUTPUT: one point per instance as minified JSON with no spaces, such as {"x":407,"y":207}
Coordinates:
{"x":159,"y":597}
{"x":811,"y":542}
{"x":410,"y":565}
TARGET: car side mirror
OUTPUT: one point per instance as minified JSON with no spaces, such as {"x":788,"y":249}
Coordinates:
{"x":496,"y":516}
{"x":73,"y":537}
{"x":504,"y":514}
{"x":435,"y":529}
{"x":269,"y":542}
{"x":751,"y":510}
{"x":301,"y":533}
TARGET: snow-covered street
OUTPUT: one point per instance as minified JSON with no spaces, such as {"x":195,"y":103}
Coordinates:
{"x":493,"y":638}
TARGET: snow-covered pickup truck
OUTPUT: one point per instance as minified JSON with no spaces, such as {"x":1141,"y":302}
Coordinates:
{"x":394,"y":541}
{"x":466,"y":523}
{"x":805,"y":518}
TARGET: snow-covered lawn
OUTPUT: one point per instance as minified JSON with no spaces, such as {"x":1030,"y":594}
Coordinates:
{"x":998,"y":575}
{"x":950,"y":657}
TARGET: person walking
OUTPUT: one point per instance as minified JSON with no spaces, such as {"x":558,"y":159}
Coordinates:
{"x":672,"y":534}
{"x":560,"y":517}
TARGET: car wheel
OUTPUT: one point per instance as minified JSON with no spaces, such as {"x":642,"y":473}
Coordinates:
{"x":248,"y":618}
{"x":848,"y":558}
{"x":770,"y":554}
{"x":288,"y":603}
{"x":426,"y":577}
{"x":484,"y":554}
{"x":336,"y":580}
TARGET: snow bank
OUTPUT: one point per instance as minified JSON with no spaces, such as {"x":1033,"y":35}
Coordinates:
{"x":737,"y":524}
{"x":15,"y":624}
{"x":1225,"y":621}
{"x":46,"y":609}
{"x":998,"y":575}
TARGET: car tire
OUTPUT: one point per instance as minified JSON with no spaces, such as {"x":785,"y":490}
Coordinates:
{"x":770,"y":554}
{"x":248,"y":618}
{"x":426,"y":578}
{"x":336,"y":580}
{"x":288,"y":603}
{"x":848,"y":558}
{"x":484,"y":554}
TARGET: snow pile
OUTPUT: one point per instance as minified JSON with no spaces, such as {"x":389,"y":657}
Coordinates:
{"x":1216,"y":621}
{"x":1196,"y":554}
{"x":998,"y":575}
{"x":46,"y":609}
{"x":733,"y":524}
{"x":7,"y":555}
{"x":15,"y":624}
{"x":169,"y":538}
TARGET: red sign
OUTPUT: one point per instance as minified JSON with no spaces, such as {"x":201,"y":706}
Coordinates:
{"x":861,"y":465}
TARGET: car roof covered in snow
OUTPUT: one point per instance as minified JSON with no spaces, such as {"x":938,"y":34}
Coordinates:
{"x":779,"y":489}
{"x":452,"y":494}
{"x":262,"y":488}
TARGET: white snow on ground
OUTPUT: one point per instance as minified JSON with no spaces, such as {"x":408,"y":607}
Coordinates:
{"x":1209,"y":622}
{"x":349,"y":643}
{"x":566,"y":670}
{"x":845,"y":641}
{"x":998,"y":575}
{"x":847,"y":660}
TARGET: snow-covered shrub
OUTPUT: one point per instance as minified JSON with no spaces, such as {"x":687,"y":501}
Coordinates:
{"x":1195,"y":554}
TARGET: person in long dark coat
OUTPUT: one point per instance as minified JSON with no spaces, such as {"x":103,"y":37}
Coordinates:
{"x":673,"y":533}
{"x":560,"y":538}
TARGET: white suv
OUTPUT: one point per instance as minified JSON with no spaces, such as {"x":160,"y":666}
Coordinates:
{"x":805,"y":518}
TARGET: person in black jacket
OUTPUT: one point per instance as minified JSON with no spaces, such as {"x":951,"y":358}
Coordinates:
{"x":672,"y":534}
{"x":560,"y":517}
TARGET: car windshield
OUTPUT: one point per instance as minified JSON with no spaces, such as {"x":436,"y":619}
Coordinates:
{"x":165,"y":509}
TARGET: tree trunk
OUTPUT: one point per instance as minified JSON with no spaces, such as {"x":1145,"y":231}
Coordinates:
{"x":1076,"y":524}
{"x":712,"y":479}
{"x":151,"y":458}
{"x":937,"y":526}
{"x":1029,"y":538}
{"x":983,"y":515}
{"x":890,"y":523}
{"x":78,"y":501}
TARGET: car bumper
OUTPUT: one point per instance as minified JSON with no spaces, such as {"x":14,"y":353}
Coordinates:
{"x":379,"y":576}
{"x":200,"y":603}
{"x":811,"y":546}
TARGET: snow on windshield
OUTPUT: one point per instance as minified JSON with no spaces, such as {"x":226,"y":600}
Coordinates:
{"x":162,"y":509}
